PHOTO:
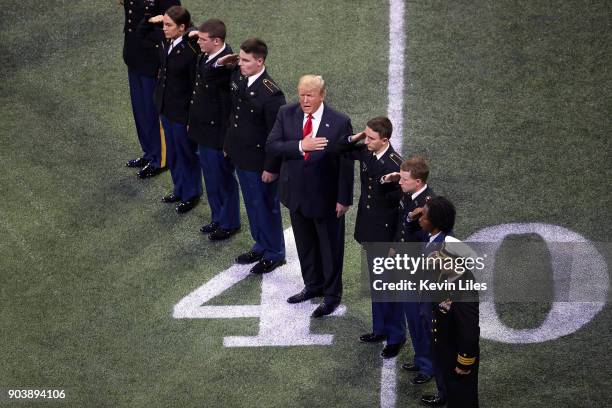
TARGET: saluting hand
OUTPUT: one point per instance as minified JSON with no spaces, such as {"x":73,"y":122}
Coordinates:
{"x":358,"y":137}
{"x":228,"y":59}
{"x":193,"y":34}
{"x":391,"y":177}
{"x":157,"y":19}
{"x":311,"y":144}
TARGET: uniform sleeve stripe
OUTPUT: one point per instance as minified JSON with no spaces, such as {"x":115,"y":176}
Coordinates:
{"x":466,"y":361}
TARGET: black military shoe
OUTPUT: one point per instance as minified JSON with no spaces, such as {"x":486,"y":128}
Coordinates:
{"x":391,"y":350}
{"x":433,"y":400}
{"x":185,"y":206}
{"x":139,"y":162}
{"x":372,"y":338}
{"x":149,"y":171}
{"x":303,"y":296}
{"x":170,"y":198}
{"x":248,"y":258}
{"x":265,"y":266}
{"x":413,"y":368}
{"x":221,"y":234}
{"x":420,"y":379}
{"x":325,"y":309}
{"x":208,"y":228}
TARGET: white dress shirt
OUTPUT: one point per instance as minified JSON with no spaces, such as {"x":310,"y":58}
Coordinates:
{"x":382,"y":153}
{"x":174,"y":44}
{"x":210,"y":57}
{"x":316,"y":121}
{"x":415,"y":195}
{"x":253,"y":78}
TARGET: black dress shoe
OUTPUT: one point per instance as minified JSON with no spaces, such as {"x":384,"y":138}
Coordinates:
{"x":149,"y":171}
{"x":372,"y":338}
{"x":208,"y":228}
{"x":170,"y":198}
{"x":325,"y":309}
{"x":420,"y":379}
{"x":185,"y":206}
{"x":411,"y":367}
{"x":139,"y":162}
{"x":303,"y":296}
{"x":220,"y":234}
{"x":248,"y":258}
{"x":433,"y":400}
{"x":265,"y":266}
{"x":391,"y":350}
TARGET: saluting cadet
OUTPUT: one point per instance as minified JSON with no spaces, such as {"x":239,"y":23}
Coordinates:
{"x":456,"y":333}
{"x":255,"y":103}
{"x":377,"y":216}
{"x":173,"y":92}
{"x":412,"y":179}
{"x":208,"y":123}
{"x":143,"y":64}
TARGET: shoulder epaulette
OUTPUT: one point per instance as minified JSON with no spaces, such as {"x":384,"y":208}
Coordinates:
{"x":396,"y":158}
{"x":270,"y":86}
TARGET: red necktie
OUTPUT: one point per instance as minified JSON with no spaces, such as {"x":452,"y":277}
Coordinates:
{"x":306,"y":131}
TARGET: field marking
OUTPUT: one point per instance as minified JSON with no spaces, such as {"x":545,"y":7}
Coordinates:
{"x":585,"y":268}
{"x":395,"y":82}
{"x":388,"y":394}
{"x":280,"y":324}
{"x":395,"y":112}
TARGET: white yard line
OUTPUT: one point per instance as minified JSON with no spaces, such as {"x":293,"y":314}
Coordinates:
{"x":395,"y":87}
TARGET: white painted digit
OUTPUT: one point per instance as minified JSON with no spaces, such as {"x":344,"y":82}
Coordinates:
{"x":588,"y":274}
{"x":280,"y":324}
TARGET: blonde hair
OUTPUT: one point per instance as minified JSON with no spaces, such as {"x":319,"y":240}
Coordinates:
{"x":310,"y":81}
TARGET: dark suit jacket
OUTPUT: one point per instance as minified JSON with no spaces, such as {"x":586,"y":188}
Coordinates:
{"x":313,"y":186}
{"x":138,"y":55}
{"x":176,"y":72}
{"x":211,"y":102}
{"x":253,"y":113}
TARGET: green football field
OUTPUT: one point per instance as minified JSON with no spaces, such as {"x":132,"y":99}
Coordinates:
{"x":508,"y":100}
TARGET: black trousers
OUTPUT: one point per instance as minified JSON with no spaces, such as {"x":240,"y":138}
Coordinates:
{"x":320,"y":247}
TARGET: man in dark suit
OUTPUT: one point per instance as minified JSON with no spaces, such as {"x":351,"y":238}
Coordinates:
{"x":412,"y":179}
{"x":143,"y":65}
{"x":256,"y":100}
{"x":316,"y":185}
{"x":377,"y":215}
{"x":208,"y":122}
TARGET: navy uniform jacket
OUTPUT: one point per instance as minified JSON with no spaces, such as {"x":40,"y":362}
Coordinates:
{"x":177,"y":72}
{"x":313,"y":186}
{"x":410,"y":230}
{"x":141,"y":56}
{"x":252,"y":117}
{"x":211,"y":102}
{"x":378,"y":209}
{"x":455,"y":329}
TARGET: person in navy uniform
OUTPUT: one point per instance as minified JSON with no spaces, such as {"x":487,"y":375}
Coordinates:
{"x":316,"y":185}
{"x":173,"y":92}
{"x":454,"y":322}
{"x":412,"y":179}
{"x":208,"y":122}
{"x":377,"y":215}
{"x":256,"y":100}
{"x":437,"y":220}
{"x":143,"y":64}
